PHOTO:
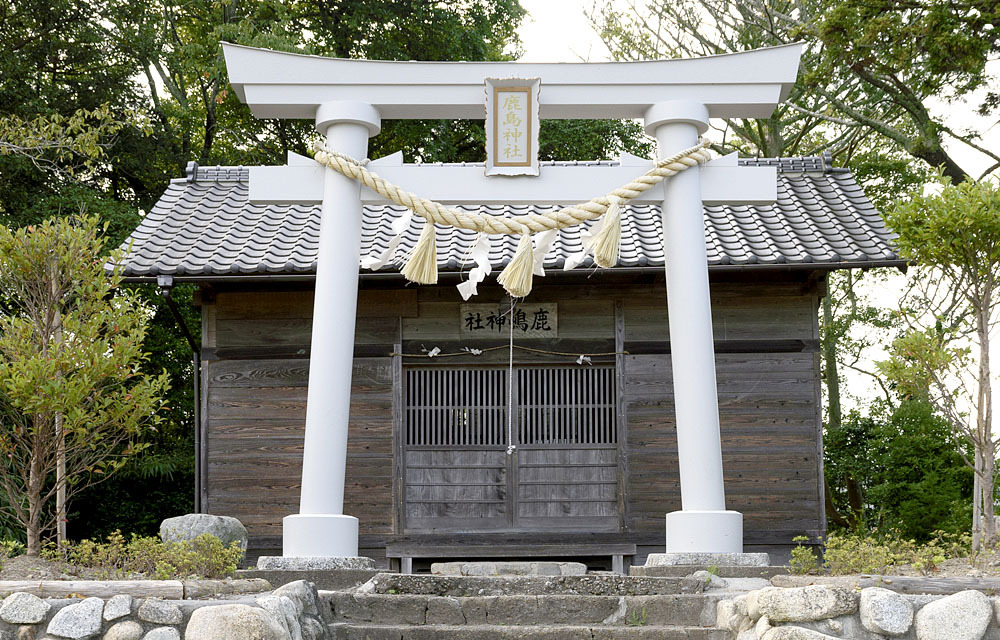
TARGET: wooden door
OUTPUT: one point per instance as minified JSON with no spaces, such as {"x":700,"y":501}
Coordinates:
{"x":561,"y":475}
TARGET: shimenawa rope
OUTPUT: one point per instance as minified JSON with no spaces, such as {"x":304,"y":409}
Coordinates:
{"x":516,"y":277}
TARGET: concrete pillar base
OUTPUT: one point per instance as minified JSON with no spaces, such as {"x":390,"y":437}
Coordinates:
{"x":313,"y":535}
{"x":704,"y":532}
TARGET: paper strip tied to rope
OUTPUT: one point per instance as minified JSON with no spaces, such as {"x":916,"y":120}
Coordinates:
{"x":516,"y":278}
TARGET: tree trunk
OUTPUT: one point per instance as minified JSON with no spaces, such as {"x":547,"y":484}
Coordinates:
{"x":60,"y":440}
{"x":977,"y":499}
{"x":832,"y":378}
{"x":60,"y":480}
{"x":938,"y":157}
{"x":36,"y":481}
{"x":984,"y":416}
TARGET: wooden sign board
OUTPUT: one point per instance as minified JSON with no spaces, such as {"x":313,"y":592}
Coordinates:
{"x":512,"y":126}
{"x":495,"y":320}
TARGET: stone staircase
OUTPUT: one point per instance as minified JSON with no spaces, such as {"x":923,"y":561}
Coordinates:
{"x":590,"y":607}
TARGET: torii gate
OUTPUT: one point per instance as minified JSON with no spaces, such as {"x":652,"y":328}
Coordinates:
{"x":675,"y":99}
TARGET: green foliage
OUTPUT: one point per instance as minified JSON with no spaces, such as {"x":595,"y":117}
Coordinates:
{"x":870,"y":69}
{"x":637,"y":618}
{"x":950,"y":313}
{"x":803,"y":558}
{"x":906,"y":465}
{"x":136,"y":499}
{"x":11,"y":548}
{"x":871,"y":553}
{"x":955,"y":230}
{"x":70,"y":356}
{"x":59,"y":141}
{"x":118,"y":558}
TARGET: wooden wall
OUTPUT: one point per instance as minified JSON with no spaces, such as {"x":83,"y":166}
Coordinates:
{"x":255,"y":351}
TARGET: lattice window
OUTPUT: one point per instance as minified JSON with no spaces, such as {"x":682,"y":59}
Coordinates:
{"x":468,"y":407}
{"x":566,"y":405}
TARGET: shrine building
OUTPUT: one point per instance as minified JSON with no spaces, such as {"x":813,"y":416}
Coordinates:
{"x":544,"y":425}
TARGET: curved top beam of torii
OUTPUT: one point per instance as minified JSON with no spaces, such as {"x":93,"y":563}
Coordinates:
{"x":287,"y":85}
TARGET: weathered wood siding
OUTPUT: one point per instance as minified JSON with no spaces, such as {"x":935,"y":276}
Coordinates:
{"x":256,"y":371}
{"x":256,"y":347}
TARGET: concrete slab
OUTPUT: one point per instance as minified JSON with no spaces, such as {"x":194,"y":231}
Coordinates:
{"x":683,"y":570}
{"x":314,"y":563}
{"x":328,"y":580}
{"x":508,"y":568}
{"x":708,"y":559}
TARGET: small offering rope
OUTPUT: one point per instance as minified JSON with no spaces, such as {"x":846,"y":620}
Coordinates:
{"x":516,"y":277}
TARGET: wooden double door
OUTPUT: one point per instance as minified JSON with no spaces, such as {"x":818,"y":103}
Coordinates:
{"x":484,"y":450}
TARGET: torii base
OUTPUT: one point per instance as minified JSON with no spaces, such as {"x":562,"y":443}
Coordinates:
{"x":319,"y":535}
{"x":704,"y":532}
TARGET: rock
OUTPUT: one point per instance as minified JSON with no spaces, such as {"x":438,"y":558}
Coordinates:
{"x":127,"y":630}
{"x":804,"y":604}
{"x":117,"y":607}
{"x":711,"y":580}
{"x":885,"y":612}
{"x":163,"y":633}
{"x":80,"y":620}
{"x":189,"y":527}
{"x":961,"y":616}
{"x":24,"y":608}
{"x":160,"y":612}
{"x":724,"y":611}
{"x":26,"y":632}
{"x":740,"y":602}
{"x":797,"y":633}
{"x":753,"y":609}
{"x":303,"y":594}
{"x":283,"y":610}
{"x":313,"y":629}
{"x":763,"y":626}
{"x":229,"y":621}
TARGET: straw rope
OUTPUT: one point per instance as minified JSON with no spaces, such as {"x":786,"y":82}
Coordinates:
{"x":520,"y":224}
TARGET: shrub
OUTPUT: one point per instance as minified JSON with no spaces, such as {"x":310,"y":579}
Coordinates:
{"x":906,"y":466}
{"x":203,"y":557}
{"x":804,"y":559}
{"x":872,"y":553}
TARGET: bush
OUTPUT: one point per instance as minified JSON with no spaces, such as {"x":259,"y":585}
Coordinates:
{"x":804,"y":559}
{"x":910,"y":474}
{"x":203,"y":557}
{"x":870,"y":553}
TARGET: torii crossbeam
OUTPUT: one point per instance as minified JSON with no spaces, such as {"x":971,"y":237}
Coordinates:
{"x":675,"y":99}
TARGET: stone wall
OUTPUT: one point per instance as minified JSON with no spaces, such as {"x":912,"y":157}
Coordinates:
{"x":822,"y":612}
{"x":289,"y":613}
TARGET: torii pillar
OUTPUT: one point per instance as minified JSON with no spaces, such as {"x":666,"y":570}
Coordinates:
{"x":676,"y":98}
{"x":703,"y":524}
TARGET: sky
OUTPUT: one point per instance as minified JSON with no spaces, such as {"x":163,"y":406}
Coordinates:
{"x":558,"y":31}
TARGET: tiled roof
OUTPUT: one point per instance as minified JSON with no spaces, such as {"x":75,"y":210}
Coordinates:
{"x":205,"y":226}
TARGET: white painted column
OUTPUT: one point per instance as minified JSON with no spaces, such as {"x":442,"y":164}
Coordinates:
{"x":703,"y":524}
{"x":321,"y":529}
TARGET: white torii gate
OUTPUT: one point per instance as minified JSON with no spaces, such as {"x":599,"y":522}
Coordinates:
{"x":675,"y":99}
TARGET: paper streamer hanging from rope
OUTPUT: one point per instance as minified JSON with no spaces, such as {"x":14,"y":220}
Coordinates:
{"x":516,"y":278}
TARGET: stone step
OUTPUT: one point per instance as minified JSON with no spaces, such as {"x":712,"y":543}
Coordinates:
{"x":681,"y":570}
{"x":350,"y":631}
{"x":518,"y":610}
{"x":590,"y":584}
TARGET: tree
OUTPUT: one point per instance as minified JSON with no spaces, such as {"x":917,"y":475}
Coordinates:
{"x":71,"y":389}
{"x":870,"y":68}
{"x":950,"y":311}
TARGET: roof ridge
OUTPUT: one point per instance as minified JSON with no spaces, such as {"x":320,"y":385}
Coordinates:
{"x":193,"y":172}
